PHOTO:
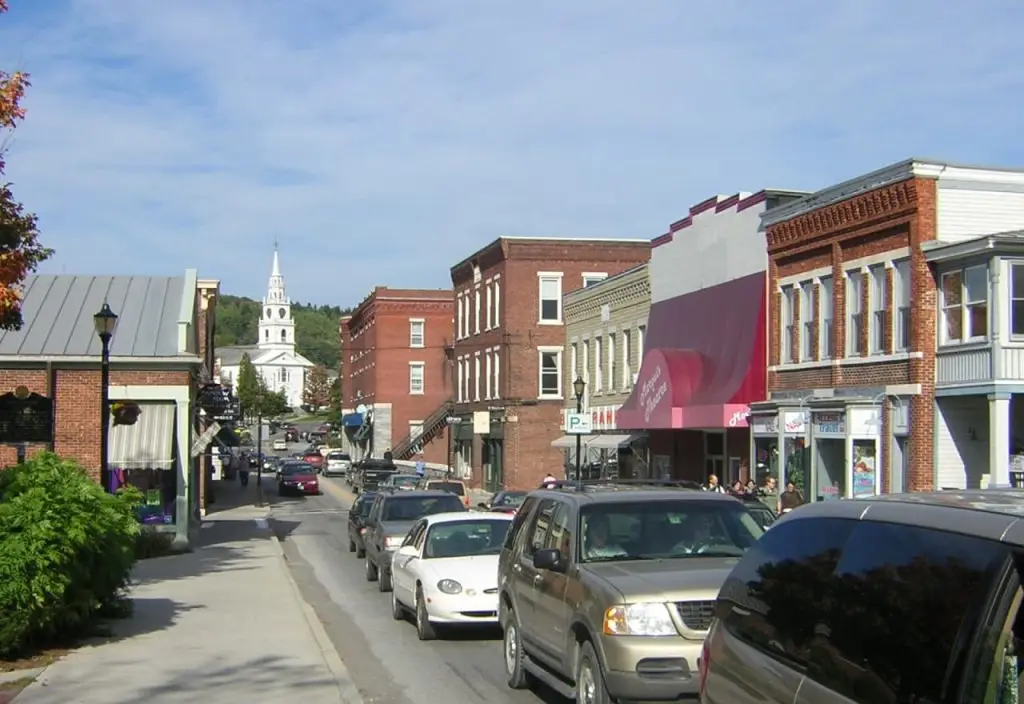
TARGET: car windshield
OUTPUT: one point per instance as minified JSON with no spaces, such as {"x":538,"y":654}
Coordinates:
{"x":363,"y":504}
{"x":465,"y":538}
{"x":666,"y":529}
{"x":337,"y":456}
{"x":296,"y":468}
{"x":415,"y":507}
{"x":404,"y":480}
{"x":451,"y":487}
{"x":510,"y":499}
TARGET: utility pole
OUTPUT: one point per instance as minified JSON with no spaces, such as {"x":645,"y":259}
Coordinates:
{"x":259,"y":449}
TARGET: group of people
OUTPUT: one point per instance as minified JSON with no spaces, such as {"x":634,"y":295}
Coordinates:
{"x":787,"y":500}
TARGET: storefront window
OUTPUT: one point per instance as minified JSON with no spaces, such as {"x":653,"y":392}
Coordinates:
{"x":796,"y":462}
{"x":159,"y":489}
{"x":831,"y":469}
{"x":864,"y":467}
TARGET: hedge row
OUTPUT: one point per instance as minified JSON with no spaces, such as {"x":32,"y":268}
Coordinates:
{"x":66,"y":552}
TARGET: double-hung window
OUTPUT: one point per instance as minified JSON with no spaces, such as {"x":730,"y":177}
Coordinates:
{"x":806,"y":321}
{"x":627,"y":370}
{"x":598,"y":368}
{"x":826,"y":306}
{"x":854,"y":313}
{"x":788,"y":323}
{"x":879,"y":306}
{"x":417,"y":332}
{"x":489,"y":303}
{"x":965,"y":305}
{"x":488,"y":362}
{"x":613,"y":363}
{"x":417,"y":372}
{"x":550,"y":372}
{"x":550,"y":298}
{"x":476,"y":308}
{"x":901,"y":305}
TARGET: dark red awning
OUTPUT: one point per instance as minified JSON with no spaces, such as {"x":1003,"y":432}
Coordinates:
{"x":705,"y":359}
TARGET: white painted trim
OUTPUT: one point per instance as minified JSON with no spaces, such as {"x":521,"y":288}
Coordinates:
{"x":423,"y":323}
{"x":550,"y":349}
{"x":423,"y":368}
{"x":543,"y":276}
{"x":846,"y":361}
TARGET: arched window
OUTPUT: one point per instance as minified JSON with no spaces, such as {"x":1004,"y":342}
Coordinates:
{"x":284,"y":336}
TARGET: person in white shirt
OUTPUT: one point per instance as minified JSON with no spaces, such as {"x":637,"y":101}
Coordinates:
{"x":713,"y":484}
{"x":548,"y":481}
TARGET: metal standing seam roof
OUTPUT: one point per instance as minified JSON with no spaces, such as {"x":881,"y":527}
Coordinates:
{"x":231,"y":355}
{"x":58,"y":312}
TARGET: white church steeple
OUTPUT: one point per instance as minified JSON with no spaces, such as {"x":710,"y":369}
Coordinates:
{"x":276,"y":329}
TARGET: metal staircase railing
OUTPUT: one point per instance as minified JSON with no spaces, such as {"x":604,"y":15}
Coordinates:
{"x":432,"y":425}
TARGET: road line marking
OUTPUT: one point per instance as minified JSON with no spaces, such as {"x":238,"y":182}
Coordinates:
{"x":338,"y":492}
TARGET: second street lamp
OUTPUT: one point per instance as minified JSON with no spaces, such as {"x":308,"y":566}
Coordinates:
{"x":105,"y":323}
{"x":578,"y":387}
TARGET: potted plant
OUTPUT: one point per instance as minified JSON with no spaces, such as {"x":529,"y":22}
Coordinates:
{"x":125,"y":412}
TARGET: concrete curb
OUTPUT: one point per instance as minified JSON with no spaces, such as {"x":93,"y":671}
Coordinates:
{"x":15,"y":675}
{"x":347,"y":690}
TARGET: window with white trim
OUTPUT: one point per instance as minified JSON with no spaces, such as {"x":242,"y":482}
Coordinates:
{"x":598,"y":368}
{"x":901,"y":305}
{"x":488,"y":304}
{"x":613,"y":363}
{"x":788,"y":320}
{"x":417,"y":332}
{"x":417,"y":381}
{"x":460,"y":373}
{"x":415,"y":431}
{"x":497,"y":374}
{"x":574,"y":360}
{"x":854,"y":313}
{"x":585,"y":367}
{"x":965,"y":305}
{"x":641,"y":340}
{"x":467,"y":311}
{"x":459,"y":303}
{"x":627,"y":367}
{"x":490,"y":375}
{"x":465,"y":378}
{"x":879,"y":296}
{"x":476,"y":308}
{"x":806,"y":321}
{"x":497,"y":301}
{"x":593,"y":277}
{"x":550,"y":298}
{"x":549,"y":362}
{"x":826,"y":309}
{"x":476,"y":377}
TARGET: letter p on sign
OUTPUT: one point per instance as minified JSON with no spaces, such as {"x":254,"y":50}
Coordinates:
{"x":577,"y":423}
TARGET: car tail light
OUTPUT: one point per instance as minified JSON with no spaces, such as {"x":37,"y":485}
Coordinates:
{"x":362,"y":531}
{"x":703,"y":665}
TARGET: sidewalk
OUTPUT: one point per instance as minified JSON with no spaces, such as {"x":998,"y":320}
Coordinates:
{"x":224,"y":623}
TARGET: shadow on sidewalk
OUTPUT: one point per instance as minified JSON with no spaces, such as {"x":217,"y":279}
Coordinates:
{"x":266,"y":673}
{"x":231,"y":495}
{"x":148,"y":616}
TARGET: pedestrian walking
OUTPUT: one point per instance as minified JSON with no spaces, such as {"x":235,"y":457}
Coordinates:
{"x":243,"y":476}
{"x":421,"y":469}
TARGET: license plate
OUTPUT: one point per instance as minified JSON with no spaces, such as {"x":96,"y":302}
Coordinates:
{"x":300,"y":485}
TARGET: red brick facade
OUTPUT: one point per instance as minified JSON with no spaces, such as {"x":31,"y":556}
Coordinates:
{"x":76,"y":395}
{"x":377,"y":354}
{"x":528,"y":425}
{"x":893,"y":217}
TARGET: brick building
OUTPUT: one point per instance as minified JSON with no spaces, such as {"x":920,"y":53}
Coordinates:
{"x":852,"y":332}
{"x":396,"y":375}
{"x":509,"y":349}
{"x":156,"y":361}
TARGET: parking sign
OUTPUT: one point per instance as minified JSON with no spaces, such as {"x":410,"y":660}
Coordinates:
{"x":577,"y":423}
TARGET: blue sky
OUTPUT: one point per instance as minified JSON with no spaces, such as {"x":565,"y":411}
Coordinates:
{"x":381,"y":141}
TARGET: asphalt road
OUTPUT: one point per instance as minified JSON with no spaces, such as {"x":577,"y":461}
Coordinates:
{"x":390,"y":665}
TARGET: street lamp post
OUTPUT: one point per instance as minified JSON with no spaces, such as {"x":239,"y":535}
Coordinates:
{"x":105,"y":323}
{"x":578,"y":387}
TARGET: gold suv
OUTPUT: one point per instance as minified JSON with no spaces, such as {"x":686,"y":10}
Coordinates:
{"x":607,"y":590}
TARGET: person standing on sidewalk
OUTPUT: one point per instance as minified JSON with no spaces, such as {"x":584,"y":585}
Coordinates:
{"x":243,"y":475}
{"x":421,"y":469}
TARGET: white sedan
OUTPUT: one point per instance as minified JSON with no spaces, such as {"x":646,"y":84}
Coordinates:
{"x":446,"y":571}
{"x":280,"y":444}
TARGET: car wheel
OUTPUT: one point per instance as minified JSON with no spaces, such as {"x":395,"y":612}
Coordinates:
{"x":351,"y":546}
{"x":360,"y":552}
{"x":590,"y":687}
{"x":397,"y":610}
{"x":512,"y":646}
{"x":371,"y":571}
{"x":424,"y":628}
{"x":384,"y":580}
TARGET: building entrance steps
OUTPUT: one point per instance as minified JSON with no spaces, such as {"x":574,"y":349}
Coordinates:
{"x":223,"y":623}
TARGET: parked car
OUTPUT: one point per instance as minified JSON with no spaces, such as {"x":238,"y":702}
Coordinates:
{"x":337,"y":463}
{"x":901,"y":598}
{"x":400,"y":482}
{"x":446,"y":571}
{"x":372,"y":473}
{"x":452,"y":486}
{"x":357,"y":515}
{"x":298,"y":478}
{"x":505,"y":502}
{"x":280,"y":445}
{"x":761,"y":512}
{"x":627,"y":576}
{"x":279,"y":470}
{"x":390,"y":519}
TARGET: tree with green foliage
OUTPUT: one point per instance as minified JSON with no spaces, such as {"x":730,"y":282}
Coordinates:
{"x":334,"y":396}
{"x":249,"y":388}
{"x":316,"y":390}
{"x":273,"y":403}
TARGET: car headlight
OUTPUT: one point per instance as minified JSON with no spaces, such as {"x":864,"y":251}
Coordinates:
{"x":393,"y":541}
{"x":449,"y":586}
{"x":649,"y":619}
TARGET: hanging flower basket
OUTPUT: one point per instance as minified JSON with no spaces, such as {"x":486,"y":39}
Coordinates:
{"x":125,"y":412}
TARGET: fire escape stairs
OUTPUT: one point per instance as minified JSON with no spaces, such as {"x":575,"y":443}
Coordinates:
{"x":432,"y":425}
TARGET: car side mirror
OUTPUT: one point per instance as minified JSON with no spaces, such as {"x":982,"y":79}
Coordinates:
{"x":408,"y":551}
{"x":549,"y":559}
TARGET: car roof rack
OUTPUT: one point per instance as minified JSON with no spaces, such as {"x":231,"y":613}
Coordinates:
{"x":605,"y":484}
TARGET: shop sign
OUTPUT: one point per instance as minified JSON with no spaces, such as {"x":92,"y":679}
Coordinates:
{"x":653,"y":392}
{"x":739,"y":419}
{"x":25,"y":417}
{"x":765,"y":425}
{"x":831,"y":423}
{"x":795,"y":422}
{"x":603,"y":417}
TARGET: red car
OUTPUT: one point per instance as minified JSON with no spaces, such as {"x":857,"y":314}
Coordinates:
{"x":314,"y":458}
{"x":298,"y":479}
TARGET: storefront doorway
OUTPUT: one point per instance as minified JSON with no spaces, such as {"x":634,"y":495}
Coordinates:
{"x":830,"y":455}
{"x":492,"y":461}
{"x":714,"y":456}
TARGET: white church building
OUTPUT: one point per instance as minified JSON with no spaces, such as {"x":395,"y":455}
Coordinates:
{"x":274,"y":355}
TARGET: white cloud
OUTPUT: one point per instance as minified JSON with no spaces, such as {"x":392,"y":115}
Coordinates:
{"x":382,"y":141}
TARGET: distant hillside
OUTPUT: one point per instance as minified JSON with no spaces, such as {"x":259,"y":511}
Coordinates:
{"x":316,"y":327}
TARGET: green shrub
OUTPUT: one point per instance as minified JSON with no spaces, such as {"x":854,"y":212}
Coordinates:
{"x":151,"y":543}
{"x":66,"y":551}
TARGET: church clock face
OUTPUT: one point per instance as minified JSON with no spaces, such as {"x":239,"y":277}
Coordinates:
{"x":281,"y":312}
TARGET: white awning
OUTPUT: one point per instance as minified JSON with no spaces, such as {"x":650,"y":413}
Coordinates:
{"x":569,"y":441}
{"x":612,"y":442}
{"x":149,"y":444}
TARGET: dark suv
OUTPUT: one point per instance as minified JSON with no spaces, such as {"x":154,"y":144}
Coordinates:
{"x":607,"y":590}
{"x":898,"y":598}
{"x":391,"y":517}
